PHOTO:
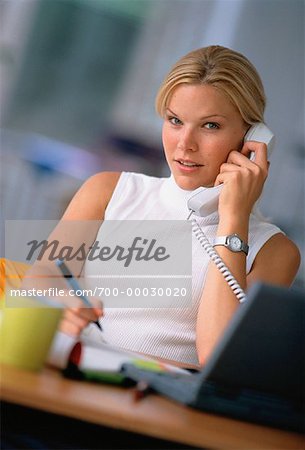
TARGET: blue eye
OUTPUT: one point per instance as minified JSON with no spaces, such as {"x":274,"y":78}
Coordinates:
{"x":174,"y":121}
{"x":211,"y":125}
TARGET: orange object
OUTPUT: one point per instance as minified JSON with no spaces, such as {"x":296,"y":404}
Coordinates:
{"x":11,"y":274}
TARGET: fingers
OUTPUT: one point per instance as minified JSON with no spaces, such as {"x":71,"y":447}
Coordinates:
{"x":69,"y":328}
{"x":230,"y":173}
{"x":88,"y":314}
{"x":72,"y":324}
{"x":243,"y":158}
{"x":260,"y":152}
{"x":243,"y":179}
{"x":237,"y":173}
{"x":237,"y":159}
{"x":76,"y":319}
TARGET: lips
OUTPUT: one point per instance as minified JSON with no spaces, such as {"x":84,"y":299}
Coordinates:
{"x":187,"y":163}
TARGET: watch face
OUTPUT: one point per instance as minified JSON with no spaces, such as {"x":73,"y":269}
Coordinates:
{"x":235,"y":243}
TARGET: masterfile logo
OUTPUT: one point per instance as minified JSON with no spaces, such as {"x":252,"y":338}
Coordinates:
{"x":145,"y":252}
{"x":126,"y":263}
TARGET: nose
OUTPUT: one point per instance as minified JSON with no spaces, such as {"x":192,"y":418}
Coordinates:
{"x":187,"y":141}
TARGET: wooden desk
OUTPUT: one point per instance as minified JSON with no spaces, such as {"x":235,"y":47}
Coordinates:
{"x":153,"y":416}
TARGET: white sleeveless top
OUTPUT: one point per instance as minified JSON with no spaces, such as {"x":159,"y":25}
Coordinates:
{"x":163,"y":332}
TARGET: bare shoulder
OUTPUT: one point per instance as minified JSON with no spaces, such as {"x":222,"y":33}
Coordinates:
{"x":277,"y":262}
{"x":91,"y":200}
{"x":102,"y":181}
{"x":281,"y":247}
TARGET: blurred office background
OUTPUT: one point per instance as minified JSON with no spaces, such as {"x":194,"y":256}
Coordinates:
{"x":78,"y":81}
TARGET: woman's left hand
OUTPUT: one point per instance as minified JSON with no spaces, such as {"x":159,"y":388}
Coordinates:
{"x":243,"y":179}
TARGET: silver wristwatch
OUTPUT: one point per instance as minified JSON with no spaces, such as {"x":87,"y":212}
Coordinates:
{"x":233,"y":242}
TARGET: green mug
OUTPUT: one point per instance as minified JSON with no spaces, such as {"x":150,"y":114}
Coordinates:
{"x":27,"y":328}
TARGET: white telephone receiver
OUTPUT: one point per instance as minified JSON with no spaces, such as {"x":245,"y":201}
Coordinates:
{"x":204,"y":201}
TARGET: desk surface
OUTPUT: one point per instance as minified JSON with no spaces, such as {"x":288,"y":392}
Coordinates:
{"x":153,"y":416}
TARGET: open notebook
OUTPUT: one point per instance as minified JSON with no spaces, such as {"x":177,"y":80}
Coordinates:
{"x":98,"y":360}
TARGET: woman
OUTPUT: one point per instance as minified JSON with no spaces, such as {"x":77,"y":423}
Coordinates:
{"x":208,"y":101}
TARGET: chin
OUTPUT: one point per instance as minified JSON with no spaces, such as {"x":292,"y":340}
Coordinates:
{"x":187,"y":183}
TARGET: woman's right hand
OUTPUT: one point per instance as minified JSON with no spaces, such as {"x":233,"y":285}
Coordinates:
{"x":75,"y":319}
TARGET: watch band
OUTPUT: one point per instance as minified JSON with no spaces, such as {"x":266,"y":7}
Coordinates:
{"x":233,"y":242}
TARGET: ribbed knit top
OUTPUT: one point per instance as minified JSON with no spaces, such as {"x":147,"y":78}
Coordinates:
{"x":163,"y":332}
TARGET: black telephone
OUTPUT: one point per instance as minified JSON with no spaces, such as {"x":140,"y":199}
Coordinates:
{"x":204,"y":201}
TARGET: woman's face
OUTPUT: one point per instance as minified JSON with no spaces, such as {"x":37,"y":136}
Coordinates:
{"x":201,"y":127}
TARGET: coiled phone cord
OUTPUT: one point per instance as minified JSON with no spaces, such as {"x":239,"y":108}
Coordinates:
{"x":207,"y":246}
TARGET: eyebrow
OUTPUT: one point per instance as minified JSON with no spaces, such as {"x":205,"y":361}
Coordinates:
{"x":201,"y":118}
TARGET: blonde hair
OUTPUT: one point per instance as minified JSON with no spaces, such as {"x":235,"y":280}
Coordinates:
{"x":227,"y":70}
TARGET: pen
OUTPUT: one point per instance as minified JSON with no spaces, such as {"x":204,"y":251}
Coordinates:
{"x":74,"y":284}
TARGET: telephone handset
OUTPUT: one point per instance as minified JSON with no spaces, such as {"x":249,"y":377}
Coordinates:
{"x":204,"y":201}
